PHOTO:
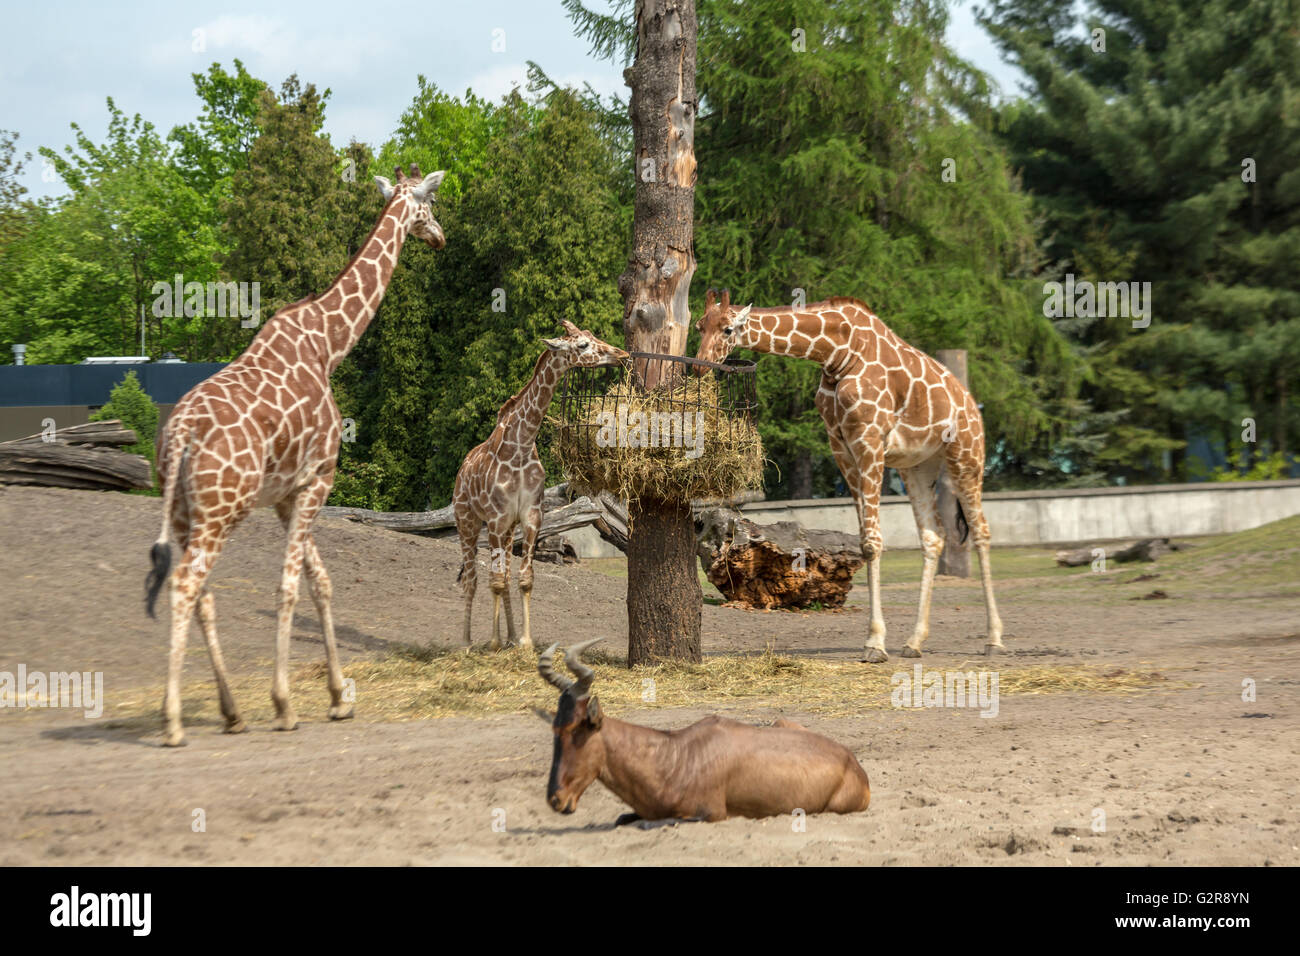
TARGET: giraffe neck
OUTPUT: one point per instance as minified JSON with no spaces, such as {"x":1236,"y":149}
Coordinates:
{"x":521,"y":417}
{"x":805,"y":333}
{"x":352,"y":299}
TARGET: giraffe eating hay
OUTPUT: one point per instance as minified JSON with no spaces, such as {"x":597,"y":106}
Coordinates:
{"x":501,"y":482}
{"x":884,"y":403}
{"x":265,"y":431}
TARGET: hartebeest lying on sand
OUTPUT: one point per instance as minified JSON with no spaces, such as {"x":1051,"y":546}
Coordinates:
{"x":714,"y":769}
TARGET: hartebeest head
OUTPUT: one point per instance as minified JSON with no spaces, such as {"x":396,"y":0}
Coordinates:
{"x":579,"y":752}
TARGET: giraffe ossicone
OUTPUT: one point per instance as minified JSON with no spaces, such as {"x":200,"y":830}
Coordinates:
{"x":501,"y":482}
{"x":264,"y":431}
{"x":884,"y":403}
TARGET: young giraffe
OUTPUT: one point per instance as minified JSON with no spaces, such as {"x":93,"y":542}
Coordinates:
{"x":884,"y":403}
{"x":265,"y":431}
{"x":501,"y":481}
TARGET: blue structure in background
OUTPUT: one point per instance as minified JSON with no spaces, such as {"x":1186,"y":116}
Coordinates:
{"x":89,"y":385}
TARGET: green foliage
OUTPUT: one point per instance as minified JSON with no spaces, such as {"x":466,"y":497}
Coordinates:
{"x":1240,"y":467}
{"x":1170,"y":157}
{"x":129,"y":403}
{"x":358,"y":484}
{"x":285,"y":211}
{"x":11,"y":190}
{"x":540,"y":222}
{"x":217,"y":145}
{"x":74,"y":280}
{"x":824,"y":171}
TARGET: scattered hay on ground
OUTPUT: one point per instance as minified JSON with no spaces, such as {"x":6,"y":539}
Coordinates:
{"x":421,"y":683}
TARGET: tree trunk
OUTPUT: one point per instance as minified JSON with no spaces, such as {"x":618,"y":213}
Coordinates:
{"x":663,"y":589}
{"x":664,"y":617}
{"x":954,"y":560}
{"x":1279,"y":424}
{"x":801,"y":476}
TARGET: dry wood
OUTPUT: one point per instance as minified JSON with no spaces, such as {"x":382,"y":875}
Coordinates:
{"x":110,"y":432}
{"x":775,"y":565}
{"x":1147,"y":549}
{"x":72,"y":466}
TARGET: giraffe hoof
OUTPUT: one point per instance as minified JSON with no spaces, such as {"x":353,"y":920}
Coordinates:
{"x":236,"y":726}
{"x":285,"y":722}
{"x":341,"y":712}
{"x":910,"y":651}
{"x":875,"y":655}
{"x":174,"y":739}
{"x":992,"y":650}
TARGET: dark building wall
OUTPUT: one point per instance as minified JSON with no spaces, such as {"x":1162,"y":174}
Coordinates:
{"x":29,"y":394}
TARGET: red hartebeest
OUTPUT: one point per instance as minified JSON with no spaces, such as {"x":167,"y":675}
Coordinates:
{"x":713,"y":769}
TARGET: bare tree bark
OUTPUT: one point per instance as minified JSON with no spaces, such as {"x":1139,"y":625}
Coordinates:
{"x":663,"y":588}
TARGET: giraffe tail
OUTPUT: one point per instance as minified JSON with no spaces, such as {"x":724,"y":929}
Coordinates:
{"x":962,"y":524}
{"x":160,"y":555}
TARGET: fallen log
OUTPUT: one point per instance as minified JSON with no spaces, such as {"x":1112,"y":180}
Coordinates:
{"x":604,"y":512}
{"x":442,"y":523}
{"x":73,"y":466}
{"x":80,"y":456}
{"x":775,"y":565}
{"x":111,"y":432}
{"x":1147,"y":549}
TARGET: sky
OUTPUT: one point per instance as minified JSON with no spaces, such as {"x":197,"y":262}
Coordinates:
{"x":74,"y":53}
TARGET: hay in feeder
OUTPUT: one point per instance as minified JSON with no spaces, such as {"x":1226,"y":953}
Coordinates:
{"x":671,"y":443}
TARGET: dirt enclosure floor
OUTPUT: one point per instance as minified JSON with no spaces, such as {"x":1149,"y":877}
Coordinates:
{"x":1187,"y":769}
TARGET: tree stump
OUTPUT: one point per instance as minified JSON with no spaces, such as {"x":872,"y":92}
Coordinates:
{"x":778,"y":565}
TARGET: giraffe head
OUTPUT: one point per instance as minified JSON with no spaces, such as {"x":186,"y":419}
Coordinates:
{"x":721,"y":327}
{"x":418,"y":193}
{"x":579,"y":348}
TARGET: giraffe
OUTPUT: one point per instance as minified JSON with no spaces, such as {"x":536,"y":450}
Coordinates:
{"x":501,"y":482}
{"x":884,"y":403}
{"x":265,"y":431}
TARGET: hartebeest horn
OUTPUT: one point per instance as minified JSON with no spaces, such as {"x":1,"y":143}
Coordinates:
{"x":546,"y":668}
{"x":585,"y":675}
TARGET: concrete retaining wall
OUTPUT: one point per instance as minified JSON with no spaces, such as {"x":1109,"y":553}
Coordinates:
{"x":1050,"y":517}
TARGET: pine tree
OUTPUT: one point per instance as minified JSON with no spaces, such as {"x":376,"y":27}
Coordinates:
{"x":1169,"y":133}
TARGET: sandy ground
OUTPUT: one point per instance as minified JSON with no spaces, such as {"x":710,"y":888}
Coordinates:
{"x":1181,"y":775}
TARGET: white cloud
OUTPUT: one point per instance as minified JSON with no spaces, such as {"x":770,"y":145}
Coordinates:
{"x":274,"y":46}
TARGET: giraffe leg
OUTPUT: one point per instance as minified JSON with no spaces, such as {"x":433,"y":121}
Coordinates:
{"x":532,"y":525}
{"x":827,"y":405}
{"x":322,"y":595}
{"x":208,"y":621}
{"x":298,"y":514}
{"x":499,"y":540}
{"x":185,"y":590}
{"x":920,"y":482}
{"x":868,"y":452}
{"x":468,"y":528}
{"x":188,"y":583}
{"x":968,"y":483}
